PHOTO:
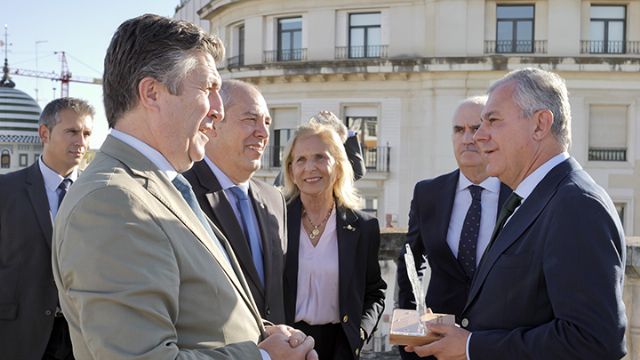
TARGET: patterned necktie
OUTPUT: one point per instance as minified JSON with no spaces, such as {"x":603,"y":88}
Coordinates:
{"x":184,"y":188}
{"x":62,"y":189}
{"x":469,"y":234}
{"x":250,"y":230}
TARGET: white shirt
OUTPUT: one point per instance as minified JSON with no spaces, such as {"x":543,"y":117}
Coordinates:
{"x":317,"y":300}
{"x":51,"y":182}
{"x":150,"y":153}
{"x":489,"y":203}
{"x":525,"y":188}
{"x":160,"y":162}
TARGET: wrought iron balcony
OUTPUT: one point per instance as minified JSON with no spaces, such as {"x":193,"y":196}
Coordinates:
{"x":515,"y":47}
{"x":377,"y":158}
{"x":609,"y":47}
{"x":235,"y":61}
{"x":361,"y":52}
{"x":607,"y":154}
{"x":272,"y":56}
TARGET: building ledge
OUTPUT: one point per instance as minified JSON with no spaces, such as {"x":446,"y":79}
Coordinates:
{"x":403,"y":67}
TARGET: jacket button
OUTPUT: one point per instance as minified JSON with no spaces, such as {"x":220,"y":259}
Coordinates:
{"x":268,"y":311}
{"x":357,"y":352}
{"x":48,"y":312}
{"x":345,"y":318}
{"x":465,"y":322}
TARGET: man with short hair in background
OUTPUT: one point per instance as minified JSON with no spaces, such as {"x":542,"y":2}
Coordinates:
{"x":451,"y":220}
{"x":32,"y":327}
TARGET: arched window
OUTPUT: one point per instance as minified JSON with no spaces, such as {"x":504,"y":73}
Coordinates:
{"x":5,"y":159}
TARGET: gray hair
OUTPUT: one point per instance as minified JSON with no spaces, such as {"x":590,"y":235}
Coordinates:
{"x":475,"y":100}
{"x":537,"y":89}
{"x":151,"y":46}
{"x":230,"y":86}
{"x":49,"y":116}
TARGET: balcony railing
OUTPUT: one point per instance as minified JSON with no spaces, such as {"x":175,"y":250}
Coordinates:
{"x":609,"y":47}
{"x":607,"y":154}
{"x":361,"y":52}
{"x":235,"y":61}
{"x":272,"y":157}
{"x":515,"y":47}
{"x":271,"y":56}
{"x":375,"y":158}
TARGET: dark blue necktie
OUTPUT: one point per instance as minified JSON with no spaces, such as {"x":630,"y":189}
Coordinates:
{"x":469,"y":234}
{"x":185,"y":190}
{"x":62,"y":189}
{"x":250,"y":230}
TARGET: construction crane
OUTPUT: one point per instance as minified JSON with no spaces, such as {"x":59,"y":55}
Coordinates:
{"x":64,"y":77}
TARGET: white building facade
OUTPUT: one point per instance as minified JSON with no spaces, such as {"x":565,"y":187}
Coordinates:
{"x":395,"y":71}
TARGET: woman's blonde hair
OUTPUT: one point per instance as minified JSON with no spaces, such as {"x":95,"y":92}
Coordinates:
{"x":344,"y":190}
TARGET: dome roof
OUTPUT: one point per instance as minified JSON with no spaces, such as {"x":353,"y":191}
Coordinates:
{"x":19,"y":115}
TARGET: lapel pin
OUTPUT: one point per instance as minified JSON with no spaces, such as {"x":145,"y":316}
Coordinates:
{"x":350,"y":228}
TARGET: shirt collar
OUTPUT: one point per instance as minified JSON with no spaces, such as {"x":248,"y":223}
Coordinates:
{"x":51,"y":178}
{"x":150,"y":153}
{"x":526,"y":187}
{"x":489,"y":184}
{"x":223,"y":179}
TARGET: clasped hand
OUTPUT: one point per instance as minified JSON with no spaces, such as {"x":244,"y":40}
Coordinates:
{"x":285,"y":342}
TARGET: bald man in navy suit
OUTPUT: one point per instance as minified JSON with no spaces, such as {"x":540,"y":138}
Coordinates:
{"x":436,"y":220}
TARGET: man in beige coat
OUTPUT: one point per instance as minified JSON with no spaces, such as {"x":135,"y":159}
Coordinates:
{"x":141,"y":273}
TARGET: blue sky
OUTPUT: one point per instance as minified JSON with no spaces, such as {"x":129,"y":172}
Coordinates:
{"x":82,"y":29}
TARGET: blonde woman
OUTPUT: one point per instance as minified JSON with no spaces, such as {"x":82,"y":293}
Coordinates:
{"x":333,"y":289}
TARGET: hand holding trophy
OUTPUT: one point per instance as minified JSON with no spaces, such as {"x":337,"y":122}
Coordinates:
{"x":408,"y":327}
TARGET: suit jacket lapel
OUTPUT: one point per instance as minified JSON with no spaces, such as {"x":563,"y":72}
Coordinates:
{"x":294,"y":214}
{"x":162,"y":189}
{"x":221,"y":212}
{"x":348,"y":236}
{"x":520,"y":221}
{"x":268,"y":231}
{"x":446,"y":198}
{"x":39,"y":201}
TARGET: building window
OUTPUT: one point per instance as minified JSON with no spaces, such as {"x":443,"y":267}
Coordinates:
{"x":238,"y":49}
{"x":364,"y":35}
{"x":370,"y":205}
{"x":36,"y":156}
{"x":290,"y":39}
{"x":367,"y":129}
{"x":607,"y":29}
{"x":284,"y":123}
{"x":514,"y":28}
{"x":23,"y":160}
{"x":608,"y":132}
{"x":5,"y":159}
